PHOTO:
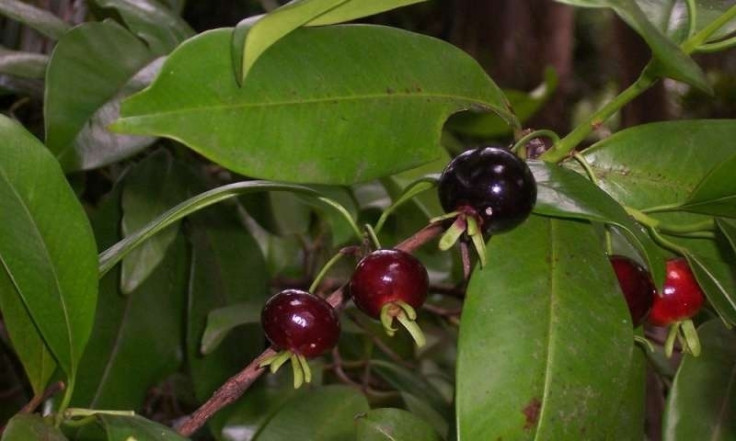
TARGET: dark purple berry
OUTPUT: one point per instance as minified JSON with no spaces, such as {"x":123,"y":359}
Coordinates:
{"x":636,"y":285}
{"x":493,"y":183}
{"x":300,"y":322}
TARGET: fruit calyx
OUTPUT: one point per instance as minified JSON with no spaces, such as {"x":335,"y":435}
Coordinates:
{"x":299,"y":325}
{"x":388,"y":285}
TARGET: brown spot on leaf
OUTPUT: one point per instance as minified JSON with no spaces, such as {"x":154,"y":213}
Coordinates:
{"x":531,"y":413}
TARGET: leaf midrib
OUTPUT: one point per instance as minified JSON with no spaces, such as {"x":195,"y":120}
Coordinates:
{"x":320,"y":100}
{"x":552,"y":284}
{"x":72,"y":368}
{"x":634,"y":174}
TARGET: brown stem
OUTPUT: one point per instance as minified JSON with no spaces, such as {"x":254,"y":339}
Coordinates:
{"x":236,"y":385}
{"x":38,"y":399}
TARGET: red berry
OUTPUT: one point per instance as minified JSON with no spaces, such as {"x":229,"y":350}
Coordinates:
{"x":681,"y":296}
{"x":387,"y":276}
{"x":494,"y":183}
{"x":300,"y":322}
{"x":636,"y":285}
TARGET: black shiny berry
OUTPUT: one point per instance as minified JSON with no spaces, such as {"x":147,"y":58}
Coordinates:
{"x":300,"y":322}
{"x":386,"y":276}
{"x":493,"y":183}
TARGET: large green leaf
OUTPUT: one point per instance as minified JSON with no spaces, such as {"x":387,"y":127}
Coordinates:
{"x":716,"y":193}
{"x":152,"y":21}
{"x":545,"y":339}
{"x":22,"y":64}
{"x":223,"y":320}
{"x":394,"y":425}
{"x":46,"y":245}
{"x":671,"y":60}
{"x":227,"y":268}
{"x":324,"y":414}
{"x":151,"y":187}
{"x":252,"y":39}
{"x":564,"y":193}
{"x":661,"y":163}
{"x":702,"y":402}
{"x":130,"y":428}
{"x":325,"y":101}
{"x":28,"y":427}
{"x":90,"y":66}
{"x":137,"y":339}
{"x":628,"y":424}
{"x":40,"y":20}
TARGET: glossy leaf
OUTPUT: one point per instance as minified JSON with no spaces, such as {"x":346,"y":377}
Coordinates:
{"x":564,"y":193}
{"x":728,"y":228}
{"x":128,"y":428}
{"x":22,"y":64}
{"x":249,"y":46}
{"x":151,"y":187}
{"x":393,"y":425}
{"x":152,"y":21}
{"x":702,"y":402}
{"x":43,"y":21}
{"x":324,"y":414}
{"x":28,"y":427}
{"x":541,"y":354}
{"x":223,"y":320}
{"x":89,"y":67}
{"x":28,"y":345}
{"x":660,"y":163}
{"x":46,"y":245}
{"x":283,"y":111}
{"x":671,"y":60}
{"x":629,"y":420}
{"x":227,"y":268}
{"x":524,"y":104}
{"x":716,"y":193}
{"x":137,"y":339}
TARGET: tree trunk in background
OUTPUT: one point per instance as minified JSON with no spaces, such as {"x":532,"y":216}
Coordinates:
{"x":632,"y":55}
{"x":515,"y":41}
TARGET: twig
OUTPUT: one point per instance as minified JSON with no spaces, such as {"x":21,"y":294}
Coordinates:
{"x":38,"y":399}
{"x":236,"y":385}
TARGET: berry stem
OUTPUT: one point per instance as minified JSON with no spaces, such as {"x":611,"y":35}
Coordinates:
{"x":372,"y":236}
{"x":535,"y":134}
{"x":323,"y":272}
{"x":419,"y":186}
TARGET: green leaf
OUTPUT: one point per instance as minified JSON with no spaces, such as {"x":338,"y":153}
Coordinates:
{"x":151,"y":21}
{"x":671,"y":61}
{"x":44,"y":22}
{"x":111,"y":256}
{"x":718,"y":282}
{"x":524,"y":104}
{"x":355,"y":9}
{"x":660,"y":163}
{"x":90,"y":66}
{"x":309,"y":81}
{"x":564,"y":193}
{"x":728,"y":228}
{"x":407,"y":381}
{"x":394,"y":425}
{"x":716,"y":193}
{"x":137,"y":339}
{"x":629,"y":420}
{"x":227,"y":268}
{"x":272,"y":27}
{"x":261,"y":402}
{"x":30,"y":348}
{"x":150,"y":188}
{"x":324,"y":414}
{"x":545,"y":338}
{"x":130,"y":428}
{"x":222,"y":320}
{"x":46,"y":245}
{"x":22,"y":64}
{"x":28,"y":427}
{"x":702,"y":401}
